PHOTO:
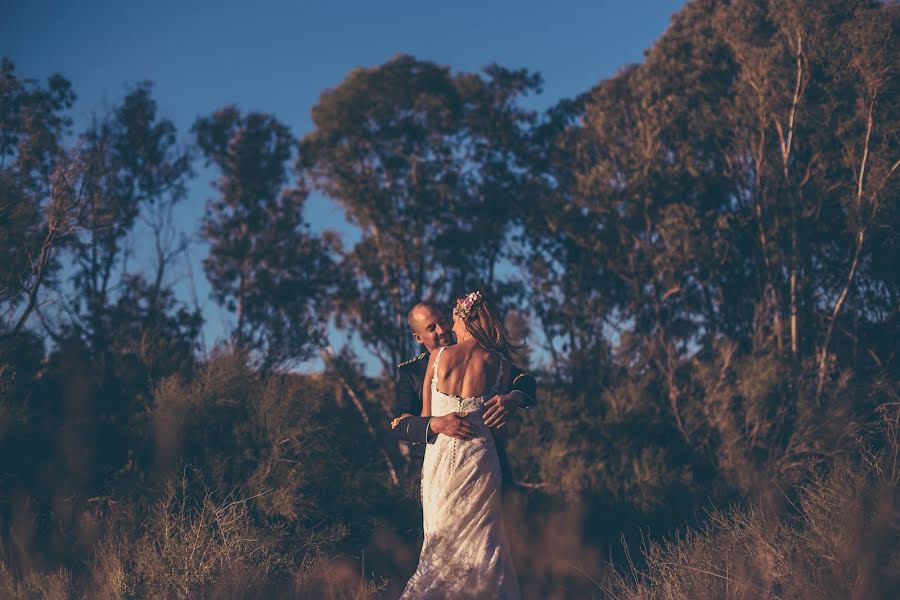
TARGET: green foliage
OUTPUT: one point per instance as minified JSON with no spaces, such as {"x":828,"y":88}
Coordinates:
{"x":263,"y":264}
{"x":422,"y":161}
{"x":32,"y":120}
{"x":132,"y":161}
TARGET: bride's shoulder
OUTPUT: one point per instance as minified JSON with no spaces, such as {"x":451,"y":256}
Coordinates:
{"x":464,"y":352}
{"x":485,"y":356}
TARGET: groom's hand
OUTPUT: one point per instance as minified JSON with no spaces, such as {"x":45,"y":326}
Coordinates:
{"x":453,"y":424}
{"x":500,"y":408}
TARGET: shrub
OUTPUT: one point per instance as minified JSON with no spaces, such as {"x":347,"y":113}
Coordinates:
{"x":840,"y":541}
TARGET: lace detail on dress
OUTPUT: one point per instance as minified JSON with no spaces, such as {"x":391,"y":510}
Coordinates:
{"x":465,"y":553}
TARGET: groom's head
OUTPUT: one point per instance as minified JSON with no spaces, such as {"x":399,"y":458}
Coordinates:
{"x":430,"y":327}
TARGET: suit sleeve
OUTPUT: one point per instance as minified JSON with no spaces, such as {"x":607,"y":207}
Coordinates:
{"x":407,"y":425}
{"x":524,"y":382}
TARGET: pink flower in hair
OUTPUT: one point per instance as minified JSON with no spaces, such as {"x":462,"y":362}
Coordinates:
{"x":466,"y":304}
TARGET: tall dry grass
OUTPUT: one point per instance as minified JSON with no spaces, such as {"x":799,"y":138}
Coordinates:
{"x":252,"y":488}
{"x":841,"y":539}
{"x":258,"y":486}
{"x":190,"y":546}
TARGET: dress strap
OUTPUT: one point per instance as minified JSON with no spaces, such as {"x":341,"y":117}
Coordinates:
{"x":434,"y":369}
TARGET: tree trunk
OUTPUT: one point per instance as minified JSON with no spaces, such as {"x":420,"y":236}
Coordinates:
{"x":328,"y":357}
{"x":823,"y":353}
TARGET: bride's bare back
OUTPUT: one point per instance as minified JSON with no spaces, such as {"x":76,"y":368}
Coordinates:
{"x":465,"y":370}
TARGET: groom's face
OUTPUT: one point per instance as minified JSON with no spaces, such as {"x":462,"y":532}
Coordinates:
{"x":431,"y":328}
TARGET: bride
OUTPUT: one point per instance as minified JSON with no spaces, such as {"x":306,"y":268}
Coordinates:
{"x":466,"y":553}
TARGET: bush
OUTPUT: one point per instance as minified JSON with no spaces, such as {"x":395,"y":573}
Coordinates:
{"x":840,"y":541}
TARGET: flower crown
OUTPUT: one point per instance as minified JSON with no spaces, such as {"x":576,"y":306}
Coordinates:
{"x":466,"y":304}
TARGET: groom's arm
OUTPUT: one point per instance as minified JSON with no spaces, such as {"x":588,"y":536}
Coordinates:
{"x":408,"y":425}
{"x":522,"y":394}
{"x":524,"y":383}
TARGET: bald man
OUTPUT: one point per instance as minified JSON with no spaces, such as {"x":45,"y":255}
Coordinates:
{"x":433,"y":329}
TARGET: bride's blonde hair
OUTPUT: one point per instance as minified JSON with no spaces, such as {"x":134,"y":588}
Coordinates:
{"x":483,"y":324}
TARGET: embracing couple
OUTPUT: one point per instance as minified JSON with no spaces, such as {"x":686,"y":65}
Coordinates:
{"x":451,"y":397}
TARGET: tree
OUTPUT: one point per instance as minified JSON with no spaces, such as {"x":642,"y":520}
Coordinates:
{"x":564,"y":256}
{"x":132,"y":166}
{"x":708,"y":212}
{"x":263,"y":263}
{"x":421,"y":160}
{"x":866,"y":158}
{"x":38,"y":200}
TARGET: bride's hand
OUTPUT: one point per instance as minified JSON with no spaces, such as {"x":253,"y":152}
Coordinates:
{"x":453,"y":424}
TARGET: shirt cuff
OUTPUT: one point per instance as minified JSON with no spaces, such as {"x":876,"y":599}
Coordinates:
{"x":427,"y":427}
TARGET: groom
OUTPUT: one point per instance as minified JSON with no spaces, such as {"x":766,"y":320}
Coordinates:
{"x":433,"y":329}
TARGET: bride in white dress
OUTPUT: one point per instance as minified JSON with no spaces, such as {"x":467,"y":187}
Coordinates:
{"x":466,"y":553}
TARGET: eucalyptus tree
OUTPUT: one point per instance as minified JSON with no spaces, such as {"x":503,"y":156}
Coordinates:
{"x":815,"y":153}
{"x":422,"y":160}
{"x":36,"y":200}
{"x":723,"y":214}
{"x":263,"y":264}
{"x":131,"y":163}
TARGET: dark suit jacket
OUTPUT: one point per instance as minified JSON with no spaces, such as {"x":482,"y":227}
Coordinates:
{"x":408,"y":401}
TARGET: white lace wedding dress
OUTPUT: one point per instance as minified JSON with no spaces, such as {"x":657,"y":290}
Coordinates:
{"x":466,"y":553}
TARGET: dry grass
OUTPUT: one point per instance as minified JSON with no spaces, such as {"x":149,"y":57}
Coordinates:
{"x":287,"y":497}
{"x":54,"y":585}
{"x":840,"y":541}
{"x":191,"y":547}
{"x":192,"y":544}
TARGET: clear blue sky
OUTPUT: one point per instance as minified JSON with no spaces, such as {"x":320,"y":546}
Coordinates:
{"x":278,"y":56}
